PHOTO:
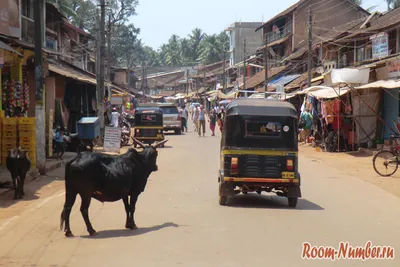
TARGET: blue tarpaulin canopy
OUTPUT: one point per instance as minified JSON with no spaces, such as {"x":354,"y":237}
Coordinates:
{"x":284,"y":79}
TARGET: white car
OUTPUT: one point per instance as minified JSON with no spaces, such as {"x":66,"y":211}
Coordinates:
{"x":171,"y":118}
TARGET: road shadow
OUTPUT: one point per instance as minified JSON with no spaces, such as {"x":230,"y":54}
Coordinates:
{"x":7,"y":198}
{"x":256,"y":201}
{"x":127,"y":233}
{"x":359,"y":154}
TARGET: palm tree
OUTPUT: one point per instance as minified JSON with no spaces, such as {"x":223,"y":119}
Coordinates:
{"x":196,"y":38}
{"x":173,"y":55}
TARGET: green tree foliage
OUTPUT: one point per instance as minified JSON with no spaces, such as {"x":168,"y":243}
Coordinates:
{"x":127,"y":50}
{"x":392,"y":4}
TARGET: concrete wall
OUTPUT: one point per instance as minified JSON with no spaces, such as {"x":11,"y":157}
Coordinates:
{"x":254,"y":40}
{"x":120,"y":77}
{"x":329,"y":15}
{"x":50,"y":83}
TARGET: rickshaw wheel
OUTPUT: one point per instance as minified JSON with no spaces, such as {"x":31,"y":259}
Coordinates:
{"x":292,"y":202}
{"x":223,"y":200}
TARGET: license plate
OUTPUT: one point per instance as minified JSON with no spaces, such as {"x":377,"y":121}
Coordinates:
{"x":288,"y":175}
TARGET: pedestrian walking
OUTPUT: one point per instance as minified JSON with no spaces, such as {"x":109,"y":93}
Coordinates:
{"x":202,"y":121}
{"x":221,"y":116}
{"x":306,"y":123}
{"x":184,"y":117}
{"x":212,"y":121}
{"x":60,"y":143}
{"x":195,"y":117}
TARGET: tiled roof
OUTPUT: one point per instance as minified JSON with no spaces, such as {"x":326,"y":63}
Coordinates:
{"x":259,"y":78}
{"x":379,"y":24}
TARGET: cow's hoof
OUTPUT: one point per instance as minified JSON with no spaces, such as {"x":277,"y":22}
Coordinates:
{"x":131,"y":226}
{"x":93,"y":233}
{"x":69,"y":234}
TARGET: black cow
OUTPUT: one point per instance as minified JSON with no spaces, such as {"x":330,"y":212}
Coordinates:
{"x":108,"y":178}
{"x":18,"y":165}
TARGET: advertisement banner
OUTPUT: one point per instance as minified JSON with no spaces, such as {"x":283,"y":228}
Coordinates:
{"x":380,"y":45}
{"x":9,"y":18}
{"x":393,"y":68}
{"x":112,"y":139}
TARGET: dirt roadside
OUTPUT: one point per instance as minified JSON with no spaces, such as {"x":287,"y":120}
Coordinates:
{"x":357,"y":164}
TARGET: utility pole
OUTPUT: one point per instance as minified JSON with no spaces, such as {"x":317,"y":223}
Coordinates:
{"x":224,"y":75}
{"x":100,"y":76}
{"x":265,"y":55}
{"x":39,"y":109}
{"x":244,"y":67}
{"x":309,"y":46}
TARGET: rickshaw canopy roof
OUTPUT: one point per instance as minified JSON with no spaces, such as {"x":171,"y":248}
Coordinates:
{"x":261,"y":107}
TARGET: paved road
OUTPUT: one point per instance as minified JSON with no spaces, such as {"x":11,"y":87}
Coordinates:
{"x":181,"y":224}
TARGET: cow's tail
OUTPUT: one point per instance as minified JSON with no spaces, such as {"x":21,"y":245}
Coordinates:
{"x":67,"y":190}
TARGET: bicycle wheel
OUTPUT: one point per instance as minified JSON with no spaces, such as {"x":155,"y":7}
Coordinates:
{"x":385,"y":163}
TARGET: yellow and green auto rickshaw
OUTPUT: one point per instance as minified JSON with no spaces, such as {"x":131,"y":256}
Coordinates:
{"x":148,"y":124}
{"x":259,"y":150}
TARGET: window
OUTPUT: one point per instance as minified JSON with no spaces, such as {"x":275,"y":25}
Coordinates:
{"x":262,"y":129}
{"x":169,"y":110}
{"x":112,"y":76}
{"x":27,"y":8}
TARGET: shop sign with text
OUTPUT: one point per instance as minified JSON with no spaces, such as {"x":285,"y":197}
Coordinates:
{"x":393,"y":68}
{"x":9,"y":18}
{"x":380,"y":45}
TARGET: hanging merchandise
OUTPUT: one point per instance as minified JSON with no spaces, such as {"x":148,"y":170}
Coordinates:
{"x":337,"y":119}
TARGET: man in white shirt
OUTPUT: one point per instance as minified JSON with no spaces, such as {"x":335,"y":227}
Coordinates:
{"x":195,"y":117}
{"x":115,"y":117}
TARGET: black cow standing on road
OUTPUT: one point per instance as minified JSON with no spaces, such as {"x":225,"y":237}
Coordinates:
{"x":108,"y":178}
{"x":18,"y":165}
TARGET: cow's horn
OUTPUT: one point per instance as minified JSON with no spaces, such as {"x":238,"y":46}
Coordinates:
{"x":138,"y":142}
{"x":160,"y":143}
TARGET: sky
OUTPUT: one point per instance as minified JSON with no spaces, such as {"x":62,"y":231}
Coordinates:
{"x":159,"y":19}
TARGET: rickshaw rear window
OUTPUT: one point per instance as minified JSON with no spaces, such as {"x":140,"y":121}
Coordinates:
{"x":262,"y":129}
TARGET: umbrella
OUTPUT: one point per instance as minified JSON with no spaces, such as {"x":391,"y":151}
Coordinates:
{"x":225,"y":102}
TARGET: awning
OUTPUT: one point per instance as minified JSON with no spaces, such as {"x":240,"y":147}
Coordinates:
{"x":389,"y":84}
{"x":329,"y":92}
{"x":319,"y":78}
{"x":230,"y":95}
{"x":6,"y":47}
{"x":71,"y":73}
{"x":284,"y":79}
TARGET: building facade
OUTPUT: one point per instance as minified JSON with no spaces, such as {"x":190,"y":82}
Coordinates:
{"x":239,"y":32}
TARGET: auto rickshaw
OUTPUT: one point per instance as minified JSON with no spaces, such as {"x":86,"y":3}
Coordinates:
{"x":259,"y":150}
{"x":148,"y":124}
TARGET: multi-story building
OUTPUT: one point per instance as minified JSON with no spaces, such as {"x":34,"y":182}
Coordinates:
{"x":241,"y":32}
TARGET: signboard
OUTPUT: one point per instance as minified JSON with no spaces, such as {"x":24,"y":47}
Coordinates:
{"x":117,"y":100}
{"x":351,"y":76}
{"x":380,"y":45}
{"x":9,"y":18}
{"x":393,"y":68}
{"x":112,"y":139}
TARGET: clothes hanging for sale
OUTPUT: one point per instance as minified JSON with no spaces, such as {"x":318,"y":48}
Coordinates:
{"x":337,"y":119}
{"x":328,"y":111}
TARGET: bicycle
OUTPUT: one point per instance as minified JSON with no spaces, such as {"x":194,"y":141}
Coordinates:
{"x":390,"y":158}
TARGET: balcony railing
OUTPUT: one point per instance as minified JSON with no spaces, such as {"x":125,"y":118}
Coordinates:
{"x":281,"y":33}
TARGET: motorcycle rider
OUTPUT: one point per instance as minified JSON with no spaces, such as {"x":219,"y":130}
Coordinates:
{"x":115,"y":117}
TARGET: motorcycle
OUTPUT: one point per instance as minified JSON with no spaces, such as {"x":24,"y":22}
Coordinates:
{"x":72,"y":142}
